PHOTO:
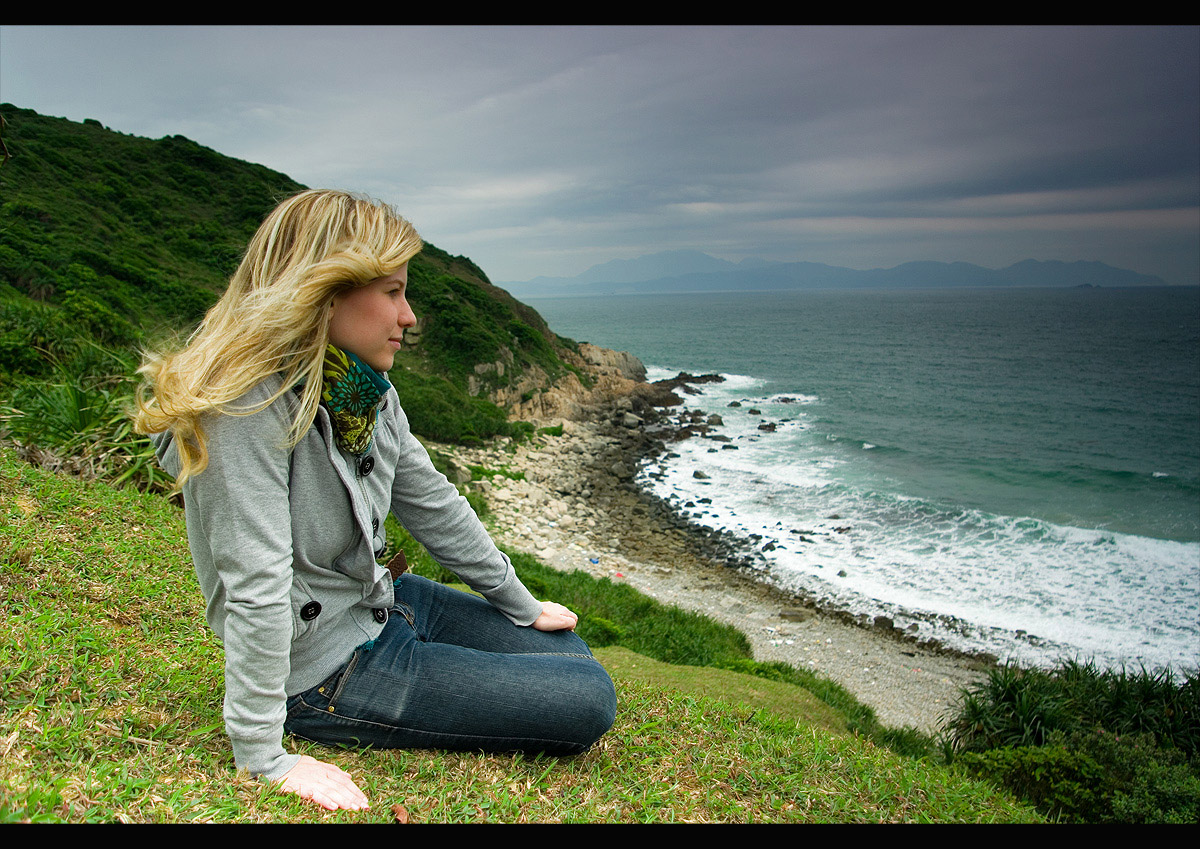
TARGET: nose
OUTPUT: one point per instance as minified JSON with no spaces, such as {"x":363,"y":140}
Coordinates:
{"x":406,"y":317}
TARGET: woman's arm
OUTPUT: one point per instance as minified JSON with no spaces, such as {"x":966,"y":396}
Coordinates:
{"x":434,"y":512}
{"x":240,"y":531}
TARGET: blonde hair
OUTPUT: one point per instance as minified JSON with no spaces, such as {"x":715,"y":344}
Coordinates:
{"x":273,"y":317}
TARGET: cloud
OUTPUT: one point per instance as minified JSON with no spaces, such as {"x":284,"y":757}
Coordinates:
{"x":522,"y":146}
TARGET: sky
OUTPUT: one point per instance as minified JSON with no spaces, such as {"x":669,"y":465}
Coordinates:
{"x":542,"y":151}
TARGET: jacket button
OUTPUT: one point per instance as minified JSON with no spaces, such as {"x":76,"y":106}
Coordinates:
{"x":380,"y":615}
{"x":368,"y":463}
{"x":310,"y":611}
{"x":374,"y":525}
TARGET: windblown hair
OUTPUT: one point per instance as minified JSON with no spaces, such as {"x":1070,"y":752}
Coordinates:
{"x":273,"y":318}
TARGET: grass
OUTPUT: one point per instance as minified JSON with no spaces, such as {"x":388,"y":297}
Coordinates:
{"x":110,"y":710}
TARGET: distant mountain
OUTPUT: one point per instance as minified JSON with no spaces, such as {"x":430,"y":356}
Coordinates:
{"x":693,"y":271}
{"x":655,"y":266}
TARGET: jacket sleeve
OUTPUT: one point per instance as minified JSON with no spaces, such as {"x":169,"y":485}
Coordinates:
{"x":439,"y":518}
{"x":240,"y":502}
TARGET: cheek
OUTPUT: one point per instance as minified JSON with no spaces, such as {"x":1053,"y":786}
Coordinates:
{"x":347,"y":322}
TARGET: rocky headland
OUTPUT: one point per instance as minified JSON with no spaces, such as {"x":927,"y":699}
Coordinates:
{"x":571,"y":500}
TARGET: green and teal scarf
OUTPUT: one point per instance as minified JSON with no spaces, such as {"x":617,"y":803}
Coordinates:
{"x":351,"y":393}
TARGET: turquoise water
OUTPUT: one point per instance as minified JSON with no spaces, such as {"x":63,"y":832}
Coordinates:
{"x":1012,"y":470}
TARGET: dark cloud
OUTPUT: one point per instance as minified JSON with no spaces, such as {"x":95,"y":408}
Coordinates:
{"x":544,"y":150}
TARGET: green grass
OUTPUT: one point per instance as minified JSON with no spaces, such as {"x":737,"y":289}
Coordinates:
{"x":110,"y":710}
{"x":116,"y":241}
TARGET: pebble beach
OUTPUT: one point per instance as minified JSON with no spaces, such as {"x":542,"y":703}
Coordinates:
{"x":570,"y":500}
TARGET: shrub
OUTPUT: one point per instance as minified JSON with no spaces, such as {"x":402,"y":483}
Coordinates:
{"x":1020,"y":707}
{"x":598,"y":631}
{"x":1096,"y":776}
{"x":438,"y":409}
{"x":1086,"y":744}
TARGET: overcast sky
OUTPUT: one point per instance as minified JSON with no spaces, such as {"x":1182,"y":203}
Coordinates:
{"x":544,"y":151}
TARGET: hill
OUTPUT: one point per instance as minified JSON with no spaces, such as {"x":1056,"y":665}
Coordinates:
{"x":111,"y":709}
{"x":110,"y":241}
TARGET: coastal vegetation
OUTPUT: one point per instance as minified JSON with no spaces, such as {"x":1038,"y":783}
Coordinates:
{"x":1086,"y":744}
{"x":110,"y":709}
{"x":111,"y":243}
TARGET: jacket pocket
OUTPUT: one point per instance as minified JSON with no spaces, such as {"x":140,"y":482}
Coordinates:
{"x":306,"y":610}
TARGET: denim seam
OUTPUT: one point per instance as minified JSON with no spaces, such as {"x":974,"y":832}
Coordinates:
{"x":444,"y":734}
{"x":549,"y":654}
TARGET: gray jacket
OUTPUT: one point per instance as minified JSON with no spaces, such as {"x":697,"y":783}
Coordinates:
{"x":283,"y":544}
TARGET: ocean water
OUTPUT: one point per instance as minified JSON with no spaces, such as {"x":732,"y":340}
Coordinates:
{"x":1014,"y":471}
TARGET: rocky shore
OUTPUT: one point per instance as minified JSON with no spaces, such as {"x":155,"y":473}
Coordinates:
{"x":570,"y":499}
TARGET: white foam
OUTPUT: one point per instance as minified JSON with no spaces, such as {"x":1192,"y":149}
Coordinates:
{"x":1114,"y":597}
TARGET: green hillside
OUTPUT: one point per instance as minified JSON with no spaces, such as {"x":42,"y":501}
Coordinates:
{"x":111,"y":707}
{"x":109,"y":241}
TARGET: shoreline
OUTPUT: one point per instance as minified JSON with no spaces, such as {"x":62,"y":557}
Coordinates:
{"x":572,"y":502}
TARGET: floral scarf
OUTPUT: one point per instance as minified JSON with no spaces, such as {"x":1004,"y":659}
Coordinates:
{"x":351,"y":393}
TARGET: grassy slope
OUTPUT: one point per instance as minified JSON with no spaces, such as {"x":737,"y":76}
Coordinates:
{"x":111,"y":710}
{"x":118,"y":240}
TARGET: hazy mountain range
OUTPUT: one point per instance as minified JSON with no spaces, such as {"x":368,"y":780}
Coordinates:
{"x":694,"y":271}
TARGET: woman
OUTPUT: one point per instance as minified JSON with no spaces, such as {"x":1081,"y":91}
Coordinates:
{"x":290,"y":448}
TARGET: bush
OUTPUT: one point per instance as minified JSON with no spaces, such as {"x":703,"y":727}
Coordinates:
{"x":87,"y":420}
{"x":598,"y":631}
{"x":1056,"y":780}
{"x":1097,"y":777}
{"x":1085,"y":744}
{"x":1021,"y":707}
{"x":439,"y":410}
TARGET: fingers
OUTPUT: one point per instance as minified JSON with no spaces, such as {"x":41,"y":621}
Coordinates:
{"x":555,"y":617}
{"x":326,"y":784}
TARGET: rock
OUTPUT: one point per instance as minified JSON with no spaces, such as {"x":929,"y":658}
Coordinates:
{"x":622,"y":363}
{"x":456,"y":473}
{"x":795,"y":614}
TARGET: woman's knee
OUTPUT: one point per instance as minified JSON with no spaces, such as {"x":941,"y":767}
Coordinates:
{"x":600,"y":711}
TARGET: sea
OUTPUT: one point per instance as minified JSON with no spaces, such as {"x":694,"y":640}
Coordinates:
{"x":1005,"y":471}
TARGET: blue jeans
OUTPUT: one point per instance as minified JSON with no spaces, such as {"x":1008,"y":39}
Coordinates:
{"x":450,"y":671}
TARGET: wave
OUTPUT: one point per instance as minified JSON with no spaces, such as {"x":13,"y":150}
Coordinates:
{"x":924,"y":562}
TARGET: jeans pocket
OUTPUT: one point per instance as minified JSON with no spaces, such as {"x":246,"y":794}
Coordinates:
{"x":405,"y":610}
{"x":331,"y":689}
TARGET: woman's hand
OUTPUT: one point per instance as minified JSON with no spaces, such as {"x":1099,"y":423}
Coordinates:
{"x":326,"y":784}
{"x":555,"y":617}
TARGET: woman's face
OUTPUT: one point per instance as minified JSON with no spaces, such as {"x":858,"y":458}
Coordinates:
{"x":369,"y":321}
